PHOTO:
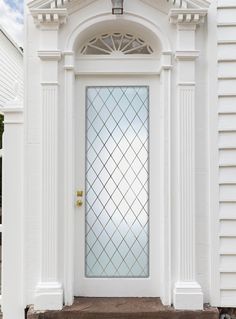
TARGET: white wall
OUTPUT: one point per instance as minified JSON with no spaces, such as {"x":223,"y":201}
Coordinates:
{"x":226,"y":108}
{"x":11,"y":69}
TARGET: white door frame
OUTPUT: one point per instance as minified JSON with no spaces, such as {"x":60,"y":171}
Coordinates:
{"x":164,"y":71}
{"x":124,"y":287}
{"x":52,"y":38}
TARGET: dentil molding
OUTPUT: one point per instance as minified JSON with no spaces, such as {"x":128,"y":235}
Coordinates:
{"x":188,"y":16}
{"x":49,"y":17}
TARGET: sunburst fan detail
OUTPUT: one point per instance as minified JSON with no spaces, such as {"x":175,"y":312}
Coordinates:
{"x":116,"y":43}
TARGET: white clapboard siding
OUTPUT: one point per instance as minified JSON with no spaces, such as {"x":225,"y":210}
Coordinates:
{"x":227,"y":104}
{"x":227,"y":175}
{"x":226,"y":16}
{"x":227,"y":149}
{"x":228,"y":297}
{"x":228,"y":228}
{"x":227,"y":263}
{"x":227,"y":158}
{"x":227,"y":86}
{"x":227,"y":122}
{"x":11,"y":69}
{"x":228,"y":281}
{"x":226,"y":3}
{"x":227,"y":69}
{"x":228,"y":245}
{"x":228,"y":193}
{"x":228,"y":211}
{"x":227,"y":140}
{"x":227,"y":52}
{"x":226,"y":33}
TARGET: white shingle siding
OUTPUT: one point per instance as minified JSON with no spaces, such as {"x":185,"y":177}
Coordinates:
{"x":227,"y":148}
{"x":11,"y":69}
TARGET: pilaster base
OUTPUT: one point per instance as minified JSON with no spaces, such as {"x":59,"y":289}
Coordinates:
{"x":48,"y":296}
{"x":188,"y":296}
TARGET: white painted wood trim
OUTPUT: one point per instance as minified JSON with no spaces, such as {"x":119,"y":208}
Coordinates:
{"x":131,"y":65}
{"x":12,"y":250}
{"x":69,"y":171}
{"x":49,"y":291}
{"x":125,"y":287}
{"x":164,"y":65}
{"x":166,"y":101}
{"x":187,"y":292}
{"x":49,"y":183}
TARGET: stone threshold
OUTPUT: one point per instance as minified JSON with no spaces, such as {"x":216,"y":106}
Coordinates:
{"x":122,"y":308}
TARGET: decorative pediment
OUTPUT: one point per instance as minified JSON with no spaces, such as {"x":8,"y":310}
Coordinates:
{"x":56,"y":11}
{"x":52,"y":4}
{"x":55,"y":4}
{"x":180,"y":4}
{"x":47,"y":12}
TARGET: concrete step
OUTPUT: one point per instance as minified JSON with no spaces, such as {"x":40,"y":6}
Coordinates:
{"x":122,"y":308}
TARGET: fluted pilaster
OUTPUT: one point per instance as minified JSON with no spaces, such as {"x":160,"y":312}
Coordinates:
{"x":187,"y":181}
{"x":49,"y":182}
{"x":49,"y":293}
{"x":187,"y":292}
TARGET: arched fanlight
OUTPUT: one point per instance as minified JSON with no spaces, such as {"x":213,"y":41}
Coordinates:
{"x":117,"y":6}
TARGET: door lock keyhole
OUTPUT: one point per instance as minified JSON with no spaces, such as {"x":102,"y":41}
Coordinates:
{"x":79,"y":201}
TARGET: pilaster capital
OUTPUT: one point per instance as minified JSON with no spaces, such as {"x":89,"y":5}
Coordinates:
{"x":49,"y":18}
{"x":166,"y":58}
{"x":49,"y":55}
{"x":190,"y":55}
{"x":13,"y":112}
{"x":68,"y":60}
{"x":187,"y":18}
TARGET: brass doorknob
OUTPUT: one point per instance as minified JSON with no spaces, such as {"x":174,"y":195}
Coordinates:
{"x":79,"y":203}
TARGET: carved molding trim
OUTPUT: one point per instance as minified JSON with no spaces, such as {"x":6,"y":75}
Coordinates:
{"x":68,"y":60}
{"x":187,"y":55}
{"x":49,"y":17}
{"x":54,"y":55}
{"x":55,"y":12}
{"x":166,"y":61}
{"x":65,"y":3}
{"x":188,"y":16}
{"x":116,"y":43}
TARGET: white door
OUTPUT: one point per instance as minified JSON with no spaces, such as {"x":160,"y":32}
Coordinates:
{"x":118,"y":169}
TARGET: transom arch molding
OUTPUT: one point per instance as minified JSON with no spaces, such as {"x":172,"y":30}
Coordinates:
{"x":159,"y":63}
{"x":130,"y":23}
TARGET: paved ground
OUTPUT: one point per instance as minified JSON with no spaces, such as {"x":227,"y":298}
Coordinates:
{"x":122,"y":308}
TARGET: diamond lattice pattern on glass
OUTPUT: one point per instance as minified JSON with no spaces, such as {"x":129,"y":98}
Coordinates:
{"x":117,"y":228}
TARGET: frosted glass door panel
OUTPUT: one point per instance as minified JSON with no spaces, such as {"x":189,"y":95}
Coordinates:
{"x":117,"y":166}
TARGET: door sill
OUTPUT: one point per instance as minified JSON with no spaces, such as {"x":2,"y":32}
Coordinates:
{"x":125,"y":308}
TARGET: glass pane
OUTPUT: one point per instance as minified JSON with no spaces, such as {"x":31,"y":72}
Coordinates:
{"x":117,"y":225}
